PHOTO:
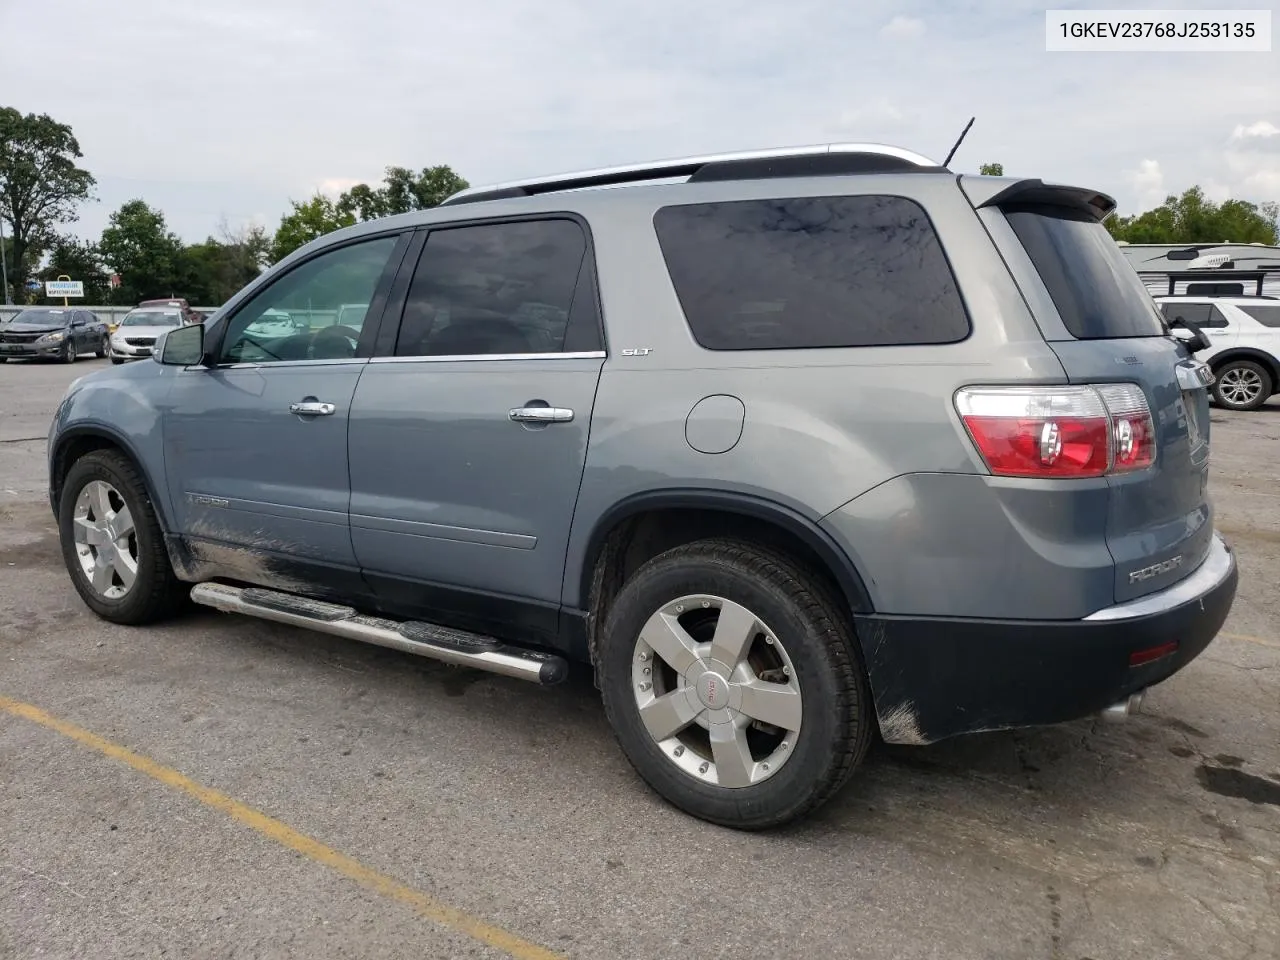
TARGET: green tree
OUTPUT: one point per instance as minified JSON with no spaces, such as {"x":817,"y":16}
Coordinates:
{"x":992,"y":169}
{"x":40,"y":186}
{"x":139,"y":246}
{"x":402,"y":191}
{"x":1193,"y":218}
{"x":307,"y":221}
{"x":213,"y":271}
{"x":79,"y":260}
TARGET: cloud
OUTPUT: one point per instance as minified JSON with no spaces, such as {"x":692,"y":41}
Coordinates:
{"x":862,"y":121}
{"x":1148,"y":180}
{"x":332,"y":186}
{"x":903,"y":27}
{"x":1262,"y":135}
{"x":1252,"y":160}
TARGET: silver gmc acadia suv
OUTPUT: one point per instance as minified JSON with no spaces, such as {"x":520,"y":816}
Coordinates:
{"x":790,"y":446}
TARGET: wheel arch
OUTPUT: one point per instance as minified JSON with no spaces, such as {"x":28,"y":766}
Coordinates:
{"x":75,"y":442}
{"x":643,"y":525}
{"x":1268,"y":362}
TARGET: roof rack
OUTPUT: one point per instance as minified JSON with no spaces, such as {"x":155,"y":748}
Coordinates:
{"x":816,"y":160}
{"x":1210,"y":276}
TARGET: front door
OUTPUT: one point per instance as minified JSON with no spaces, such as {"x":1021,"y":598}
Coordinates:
{"x":256,"y":445}
{"x":468,"y":442}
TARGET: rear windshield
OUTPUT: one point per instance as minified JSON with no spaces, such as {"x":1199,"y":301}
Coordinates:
{"x":1098,"y":294}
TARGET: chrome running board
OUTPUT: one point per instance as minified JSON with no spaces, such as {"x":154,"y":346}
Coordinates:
{"x":423,"y":639}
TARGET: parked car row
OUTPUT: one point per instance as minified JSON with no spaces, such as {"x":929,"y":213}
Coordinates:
{"x":68,"y":333}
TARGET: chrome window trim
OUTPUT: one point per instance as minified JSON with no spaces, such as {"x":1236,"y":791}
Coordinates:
{"x":474,"y":357}
{"x":253,"y":364}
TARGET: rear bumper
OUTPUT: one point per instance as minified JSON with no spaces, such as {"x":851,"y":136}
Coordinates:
{"x":934,"y":677}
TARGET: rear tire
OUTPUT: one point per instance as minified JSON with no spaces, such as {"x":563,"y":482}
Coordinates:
{"x":102,"y":349}
{"x":1242,"y":385}
{"x":117,"y":360}
{"x":112,"y":543}
{"x":670,"y":692}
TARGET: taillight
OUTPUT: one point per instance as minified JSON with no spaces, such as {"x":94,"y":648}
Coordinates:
{"x":1066,"y":431}
{"x":1134,"y":443}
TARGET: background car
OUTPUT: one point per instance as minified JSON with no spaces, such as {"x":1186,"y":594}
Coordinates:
{"x":1244,"y":344}
{"x":276,"y":323}
{"x":136,"y":336}
{"x":174,"y":303}
{"x":54,"y":333}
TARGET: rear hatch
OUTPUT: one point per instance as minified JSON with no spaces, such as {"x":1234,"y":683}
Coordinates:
{"x":1108,"y":330}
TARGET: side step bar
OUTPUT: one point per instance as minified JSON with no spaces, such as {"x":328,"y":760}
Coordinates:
{"x":424,"y":639}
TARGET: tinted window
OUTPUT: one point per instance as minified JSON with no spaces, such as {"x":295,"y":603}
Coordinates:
{"x":505,"y":288}
{"x":1097,"y":293}
{"x":1266,"y":314}
{"x":1201,"y":314}
{"x":810,"y":272}
{"x":316,"y":311}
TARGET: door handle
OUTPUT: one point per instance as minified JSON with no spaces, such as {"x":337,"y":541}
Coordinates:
{"x":312,"y":408}
{"x":541,"y":415}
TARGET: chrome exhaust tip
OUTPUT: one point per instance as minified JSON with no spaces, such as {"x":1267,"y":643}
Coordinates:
{"x":1123,"y":709}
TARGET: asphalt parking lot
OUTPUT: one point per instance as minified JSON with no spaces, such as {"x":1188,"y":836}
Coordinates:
{"x":223,"y":787}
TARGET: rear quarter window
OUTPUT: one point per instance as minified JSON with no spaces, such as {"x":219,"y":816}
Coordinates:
{"x":1266,"y":314}
{"x":1096,"y":291}
{"x":810,"y":272}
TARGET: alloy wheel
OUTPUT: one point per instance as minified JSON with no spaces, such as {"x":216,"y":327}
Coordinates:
{"x":1240,"y":386}
{"x":717,"y":691}
{"x":106,"y":541}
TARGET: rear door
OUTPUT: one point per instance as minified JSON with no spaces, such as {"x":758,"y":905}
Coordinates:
{"x":1105,"y":328}
{"x":469,"y":434}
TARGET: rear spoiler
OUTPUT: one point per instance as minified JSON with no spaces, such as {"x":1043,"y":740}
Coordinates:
{"x":1002,"y":191}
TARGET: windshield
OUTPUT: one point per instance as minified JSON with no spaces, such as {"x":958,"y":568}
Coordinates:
{"x":53,"y":319}
{"x":152,"y":318}
{"x":1098,"y":294}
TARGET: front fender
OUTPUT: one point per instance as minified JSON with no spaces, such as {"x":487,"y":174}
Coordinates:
{"x":120,"y":408}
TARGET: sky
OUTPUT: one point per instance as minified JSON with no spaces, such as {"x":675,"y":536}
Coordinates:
{"x":225,"y":110}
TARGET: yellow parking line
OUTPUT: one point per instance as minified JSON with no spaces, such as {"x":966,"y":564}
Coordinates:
{"x":1248,"y":639}
{"x":286,"y":836}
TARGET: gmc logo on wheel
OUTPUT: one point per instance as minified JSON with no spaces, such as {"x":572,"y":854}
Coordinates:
{"x":713,"y":693}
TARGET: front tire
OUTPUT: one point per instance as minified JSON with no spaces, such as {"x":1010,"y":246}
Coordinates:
{"x":69,"y":352}
{"x":112,"y":543}
{"x":1242,"y":385}
{"x":734,"y":684}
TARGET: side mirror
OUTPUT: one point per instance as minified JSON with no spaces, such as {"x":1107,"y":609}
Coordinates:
{"x":181,"y":346}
